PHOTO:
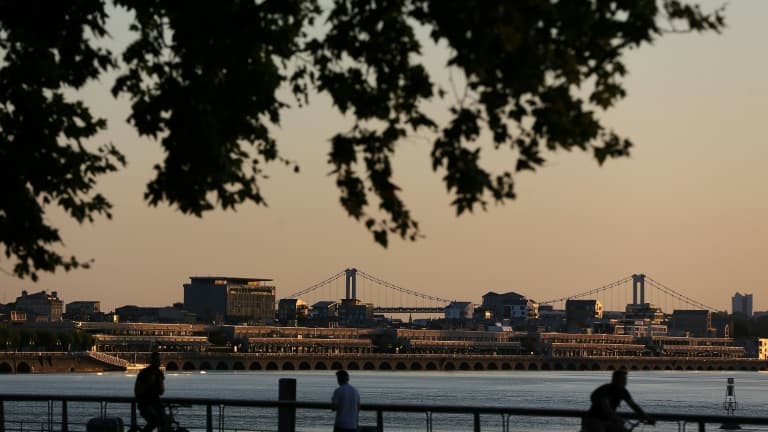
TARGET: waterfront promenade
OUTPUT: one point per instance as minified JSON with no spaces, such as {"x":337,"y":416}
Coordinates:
{"x":681,"y":392}
{"x":58,"y":362}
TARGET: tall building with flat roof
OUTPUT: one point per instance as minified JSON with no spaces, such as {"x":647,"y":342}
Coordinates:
{"x":742,"y":303}
{"x":229,"y":299}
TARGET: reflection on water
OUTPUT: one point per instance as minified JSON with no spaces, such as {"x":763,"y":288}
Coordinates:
{"x":656,"y":391}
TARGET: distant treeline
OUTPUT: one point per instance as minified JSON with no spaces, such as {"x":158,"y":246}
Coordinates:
{"x":23,"y":339}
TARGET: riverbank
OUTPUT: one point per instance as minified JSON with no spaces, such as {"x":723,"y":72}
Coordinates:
{"x":57,"y":362}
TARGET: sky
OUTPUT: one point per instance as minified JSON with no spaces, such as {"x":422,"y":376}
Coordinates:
{"x":688,"y":208}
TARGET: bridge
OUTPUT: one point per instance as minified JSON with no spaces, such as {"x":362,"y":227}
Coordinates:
{"x":391,"y":298}
{"x":387,"y":297}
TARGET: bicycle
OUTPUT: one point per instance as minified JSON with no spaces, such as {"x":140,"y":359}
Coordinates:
{"x":627,"y":425}
{"x":171,"y":424}
{"x":630,"y":425}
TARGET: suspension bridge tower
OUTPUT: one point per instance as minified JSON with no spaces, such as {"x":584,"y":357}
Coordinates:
{"x":638,"y":284}
{"x":351,"y":283}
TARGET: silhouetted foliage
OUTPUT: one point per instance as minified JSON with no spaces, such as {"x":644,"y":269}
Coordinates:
{"x":44,"y":339}
{"x":204,"y":78}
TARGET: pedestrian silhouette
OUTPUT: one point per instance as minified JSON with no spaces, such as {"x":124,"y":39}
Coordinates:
{"x":150,"y":385}
{"x":346,"y":403}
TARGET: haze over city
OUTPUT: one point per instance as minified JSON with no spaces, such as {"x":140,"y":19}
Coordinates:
{"x":687,"y":208}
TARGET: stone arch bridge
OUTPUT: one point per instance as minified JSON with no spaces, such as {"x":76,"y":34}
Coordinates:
{"x":33,"y":362}
{"x":437,"y":362}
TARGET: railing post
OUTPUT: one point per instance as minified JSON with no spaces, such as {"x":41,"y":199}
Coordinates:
{"x":2,"y":417}
{"x":286,"y":416}
{"x":701,"y":426}
{"x":208,"y":418}
{"x":133,"y":416}
{"x":64,"y":417}
{"x":379,"y":420}
{"x":477,"y":422}
{"x":50,"y":414}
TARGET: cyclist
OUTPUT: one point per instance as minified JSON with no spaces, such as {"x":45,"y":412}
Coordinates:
{"x":602,"y":416}
{"x":150,"y":385}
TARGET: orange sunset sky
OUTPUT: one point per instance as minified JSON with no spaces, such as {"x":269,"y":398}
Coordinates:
{"x":689,"y":207}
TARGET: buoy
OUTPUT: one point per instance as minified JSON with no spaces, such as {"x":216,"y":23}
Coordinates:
{"x":730,"y":405}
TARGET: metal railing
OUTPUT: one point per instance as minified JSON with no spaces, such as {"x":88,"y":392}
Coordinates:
{"x":109,"y":359}
{"x":219,"y":415}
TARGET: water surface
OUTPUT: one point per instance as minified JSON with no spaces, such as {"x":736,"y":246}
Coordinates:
{"x":655,"y":391}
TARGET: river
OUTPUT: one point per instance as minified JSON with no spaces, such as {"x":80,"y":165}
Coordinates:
{"x":655,"y":391}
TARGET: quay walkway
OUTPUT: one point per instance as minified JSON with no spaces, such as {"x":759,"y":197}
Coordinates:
{"x":71,"y":413}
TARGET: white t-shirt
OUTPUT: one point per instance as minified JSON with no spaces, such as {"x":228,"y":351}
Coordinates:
{"x":346,"y":401}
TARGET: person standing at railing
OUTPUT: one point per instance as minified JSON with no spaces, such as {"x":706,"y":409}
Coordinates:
{"x":150,"y":385}
{"x":346,"y":403}
{"x":602,"y":415}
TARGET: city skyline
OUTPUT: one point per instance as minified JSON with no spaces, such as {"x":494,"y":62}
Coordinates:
{"x":688,"y":206}
{"x":615,"y":296}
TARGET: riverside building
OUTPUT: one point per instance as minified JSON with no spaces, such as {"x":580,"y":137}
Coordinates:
{"x":220,"y":299}
{"x":146,"y":337}
{"x":40,"y":306}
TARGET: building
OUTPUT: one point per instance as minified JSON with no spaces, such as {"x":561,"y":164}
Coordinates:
{"x":722,"y":323}
{"x":523,"y":309}
{"x":762,"y":348}
{"x":303,"y":340}
{"x":500,"y":305}
{"x":83,"y":310}
{"x":742,"y":304}
{"x":146,"y":337}
{"x":152,"y":314}
{"x":234,"y":300}
{"x":640,"y":328}
{"x":671,"y":346}
{"x":691,"y":323}
{"x":40,"y":306}
{"x":460,"y":341}
{"x":645,"y":311}
{"x":17,"y":317}
{"x":587,"y":345}
{"x":290,"y":311}
{"x":482,"y":314}
{"x":551,"y":319}
{"x":325,"y":310}
{"x":459,"y":311}
{"x":353,"y":312}
{"x":580,"y":315}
